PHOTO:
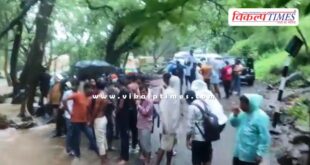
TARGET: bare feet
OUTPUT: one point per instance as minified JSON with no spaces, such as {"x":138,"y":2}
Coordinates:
{"x":122,"y":162}
{"x":141,"y":157}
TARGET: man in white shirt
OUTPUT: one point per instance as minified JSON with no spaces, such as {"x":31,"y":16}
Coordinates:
{"x":201,"y":149}
{"x":190,"y":68}
{"x":67,"y":115}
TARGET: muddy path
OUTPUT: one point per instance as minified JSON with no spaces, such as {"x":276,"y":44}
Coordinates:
{"x":37,"y":147}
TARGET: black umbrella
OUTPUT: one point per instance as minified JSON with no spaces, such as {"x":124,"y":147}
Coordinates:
{"x":93,"y":69}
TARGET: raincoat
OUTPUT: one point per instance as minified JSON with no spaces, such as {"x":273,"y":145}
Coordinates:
{"x":202,"y":92}
{"x":170,"y":106}
{"x":252,"y":138}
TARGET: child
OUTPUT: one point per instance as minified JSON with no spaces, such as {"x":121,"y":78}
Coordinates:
{"x":144,"y":124}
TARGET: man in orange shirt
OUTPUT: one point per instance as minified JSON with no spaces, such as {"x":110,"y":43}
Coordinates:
{"x":206,"y":71}
{"x":79,"y":120}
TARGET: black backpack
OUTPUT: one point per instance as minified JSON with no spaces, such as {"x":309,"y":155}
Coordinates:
{"x":210,"y":124}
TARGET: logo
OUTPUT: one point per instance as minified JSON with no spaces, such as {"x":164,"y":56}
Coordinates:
{"x":263,"y":17}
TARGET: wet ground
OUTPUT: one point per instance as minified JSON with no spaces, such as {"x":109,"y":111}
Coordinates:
{"x":37,"y":147}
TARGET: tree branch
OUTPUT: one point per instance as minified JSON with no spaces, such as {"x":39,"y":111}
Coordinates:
{"x":23,"y":47}
{"x":129,"y":43}
{"x":228,"y":37}
{"x":104,"y":7}
{"x":17,"y":19}
{"x":117,"y":30}
{"x":218,"y":5}
{"x":28,"y":28}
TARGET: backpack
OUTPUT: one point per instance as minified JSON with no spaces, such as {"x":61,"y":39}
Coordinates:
{"x":210,"y":124}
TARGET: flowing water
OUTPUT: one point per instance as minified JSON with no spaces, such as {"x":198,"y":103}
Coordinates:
{"x":36,"y":146}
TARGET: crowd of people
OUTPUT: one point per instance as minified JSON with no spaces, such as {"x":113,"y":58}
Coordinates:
{"x":212,"y":72}
{"x":77,"y":108}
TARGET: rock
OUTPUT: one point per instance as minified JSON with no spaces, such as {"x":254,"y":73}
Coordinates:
{"x":27,"y":118}
{"x":302,"y":147}
{"x":270,"y":87}
{"x":2,"y":99}
{"x":3,"y":122}
{"x":22,"y":124}
{"x":274,"y":132}
{"x":303,"y":129}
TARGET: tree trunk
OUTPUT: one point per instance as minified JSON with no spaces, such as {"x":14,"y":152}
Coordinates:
{"x":125,"y":61}
{"x":114,"y":53}
{"x":6,"y":56}
{"x":155,"y":61}
{"x":14,"y":57}
{"x":33,"y":68}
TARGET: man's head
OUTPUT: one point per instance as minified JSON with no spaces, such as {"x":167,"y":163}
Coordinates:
{"x":227,"y":63}
{"x":166,"y":78}
{"x":191,"y":52}
{"x":132,"y":78}
{"x":244,"y":103}
{"x":74,"y":84}
{"x":189,"y":96}
{"x":101,"y":85}
{"x":93,"y":82}
{"x":178,"y":63}
{"x":114,"y":78}
{"x":143,"y":91}
{"x":238,"y":61}
{"x":87,"y":89}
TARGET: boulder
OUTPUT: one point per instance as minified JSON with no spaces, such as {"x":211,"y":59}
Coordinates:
{"x":2,"y":99}
{"x":3,"y":122}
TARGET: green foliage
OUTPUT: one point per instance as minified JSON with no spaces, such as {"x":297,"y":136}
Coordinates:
{"x":264,"y":65}
{"x":257,"y":44}
{"x":299,"y":110}
{"x":302,"y":59}
{"x":307,"y":10}
{"x":241,"y":47}
{"x":305,"y":70}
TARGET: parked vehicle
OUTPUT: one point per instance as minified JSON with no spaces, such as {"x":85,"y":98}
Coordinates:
{"x":199,"y":56}
{"x":93,"y":69}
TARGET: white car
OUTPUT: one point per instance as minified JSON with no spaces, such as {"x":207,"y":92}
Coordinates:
{"x":180,"y":56}
{"x":199,"y":56}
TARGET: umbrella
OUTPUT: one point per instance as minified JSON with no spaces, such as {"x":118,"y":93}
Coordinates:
{"x":93,"y":69}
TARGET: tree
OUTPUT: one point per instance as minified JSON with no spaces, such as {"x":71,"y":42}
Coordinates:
{"x":6,"y":59}
{"x":30,"y":75}
{"x":130,"y":28}
{"x":15,"y":52}
{"x":160,"y":47}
